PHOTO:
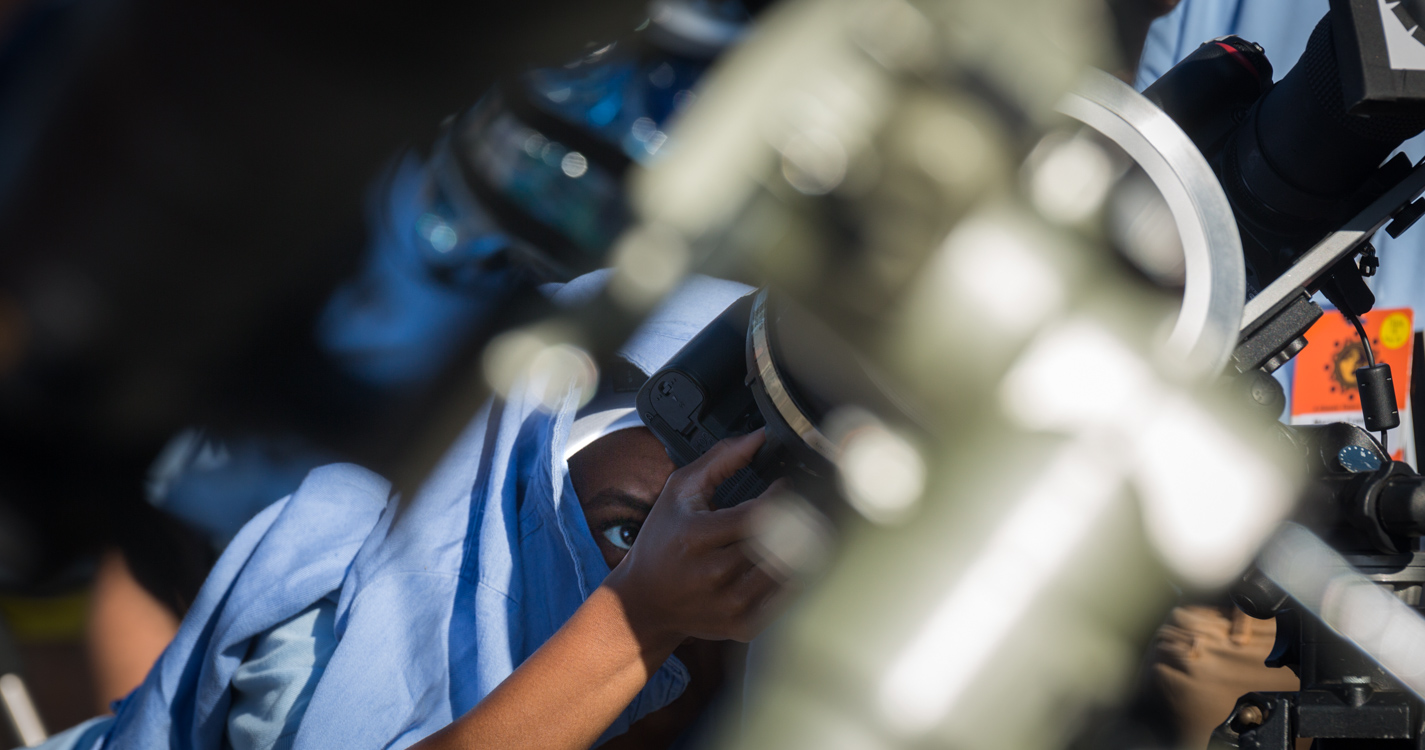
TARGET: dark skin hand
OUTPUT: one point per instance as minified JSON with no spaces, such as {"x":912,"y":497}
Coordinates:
{"x":687,"y":574}
{"x":690,"y":575}
{"x":617,"y":479}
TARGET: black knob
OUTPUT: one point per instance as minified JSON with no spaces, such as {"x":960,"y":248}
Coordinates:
{"x":1257,"y":595}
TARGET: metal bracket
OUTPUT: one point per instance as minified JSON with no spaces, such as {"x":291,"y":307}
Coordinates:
{"x":1317,"y":261}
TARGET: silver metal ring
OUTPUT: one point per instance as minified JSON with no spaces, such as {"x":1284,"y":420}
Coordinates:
{"x":1207,"y":327}
{"x":777,"y":390}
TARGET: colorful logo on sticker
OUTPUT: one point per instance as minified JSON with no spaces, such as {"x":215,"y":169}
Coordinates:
{"x":1395,"y":330}
{"x":1344,"y":364}
{"x":1325,"y":378}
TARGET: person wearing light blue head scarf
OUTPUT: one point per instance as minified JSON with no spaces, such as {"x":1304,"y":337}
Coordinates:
{"x":343,"y":617}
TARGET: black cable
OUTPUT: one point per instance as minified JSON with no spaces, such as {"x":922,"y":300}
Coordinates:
{"x":1370,"y":362}
{"x":1365,"y":340}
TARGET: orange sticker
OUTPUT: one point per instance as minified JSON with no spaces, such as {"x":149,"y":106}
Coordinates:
{"x":1325,"y":377}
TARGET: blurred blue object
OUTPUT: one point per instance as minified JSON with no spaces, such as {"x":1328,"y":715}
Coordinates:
{"x":622,"y":96}
{"x":525,"y":185}
{"x":216,"y":484}
{"x":546,"y":154}
{"x":627,"y":92}
{"x":423,"y":284}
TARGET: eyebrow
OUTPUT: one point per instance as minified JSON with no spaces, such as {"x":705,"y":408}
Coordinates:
{"x":619,"y":497}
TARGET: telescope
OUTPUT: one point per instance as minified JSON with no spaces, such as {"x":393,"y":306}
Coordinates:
{"x":766,"y":363}
{"x":1276,"y":189}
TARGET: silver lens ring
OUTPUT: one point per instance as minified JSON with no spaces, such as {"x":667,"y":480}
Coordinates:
{"x":777,"y":390}
{"x":1216,"y":280}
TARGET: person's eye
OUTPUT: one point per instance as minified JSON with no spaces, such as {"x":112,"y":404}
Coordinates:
{"x":621,"y":535}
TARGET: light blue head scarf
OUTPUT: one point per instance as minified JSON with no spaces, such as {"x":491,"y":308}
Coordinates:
{"x":438,"y":598}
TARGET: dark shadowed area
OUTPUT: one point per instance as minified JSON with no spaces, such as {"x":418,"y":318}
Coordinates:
{"x":181,"y":186}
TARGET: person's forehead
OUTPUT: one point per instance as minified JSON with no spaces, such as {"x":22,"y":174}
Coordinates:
{"x":630,"y":461}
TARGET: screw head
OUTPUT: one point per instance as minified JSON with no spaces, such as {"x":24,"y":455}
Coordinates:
{"x":1248,"y":716}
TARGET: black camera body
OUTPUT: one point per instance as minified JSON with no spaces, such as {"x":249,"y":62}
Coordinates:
{"x":1382,"y":55}
{"x":1294,"y":161}
{"x":735,"y":377}
{"x":702,"y":396}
